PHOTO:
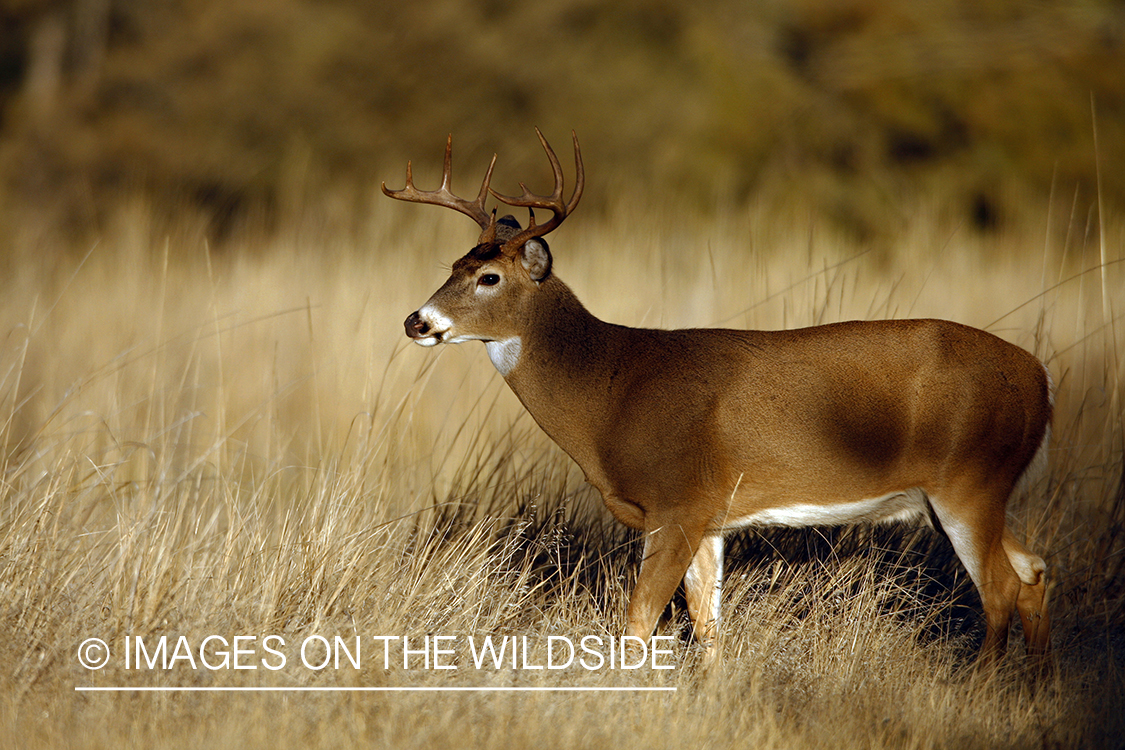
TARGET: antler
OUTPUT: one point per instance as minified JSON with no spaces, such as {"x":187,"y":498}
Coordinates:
{"x":552,"y":202}
{"x":444,"y":197}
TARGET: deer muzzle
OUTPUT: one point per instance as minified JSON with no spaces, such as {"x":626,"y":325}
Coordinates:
{"x":416,"y":326}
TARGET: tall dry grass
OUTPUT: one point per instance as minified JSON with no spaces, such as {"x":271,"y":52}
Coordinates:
{"x":244,"y":444}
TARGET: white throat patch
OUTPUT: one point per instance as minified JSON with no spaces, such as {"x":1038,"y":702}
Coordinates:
{"x":505,"y":355}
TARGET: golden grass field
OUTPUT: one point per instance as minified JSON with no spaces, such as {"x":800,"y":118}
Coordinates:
{"x":243,"y":443}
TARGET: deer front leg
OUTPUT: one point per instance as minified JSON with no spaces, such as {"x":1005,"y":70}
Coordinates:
{"x":704,"y":585}
{"x":669,"y":549}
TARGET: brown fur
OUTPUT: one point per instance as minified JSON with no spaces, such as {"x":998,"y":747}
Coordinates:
{"x":685,"y":432}
{"x":688,"y":433}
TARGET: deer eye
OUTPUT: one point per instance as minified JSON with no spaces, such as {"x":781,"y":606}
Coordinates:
{"x":489,"y":279}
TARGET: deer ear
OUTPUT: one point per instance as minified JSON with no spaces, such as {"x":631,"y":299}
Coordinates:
{"x":536,"y":258}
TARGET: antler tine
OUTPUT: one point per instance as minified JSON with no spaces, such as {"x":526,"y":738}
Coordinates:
{"x":552,"y":202}
{"x":579,"y":175}
{"x":443,"y":196}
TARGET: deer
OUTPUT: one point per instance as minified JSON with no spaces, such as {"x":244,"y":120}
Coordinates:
{"x":691,"y":434}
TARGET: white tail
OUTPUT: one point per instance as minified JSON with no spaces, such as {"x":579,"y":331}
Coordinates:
{"x":690,"y":433}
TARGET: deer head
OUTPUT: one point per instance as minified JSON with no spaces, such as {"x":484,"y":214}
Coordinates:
{"x":488,"y":288}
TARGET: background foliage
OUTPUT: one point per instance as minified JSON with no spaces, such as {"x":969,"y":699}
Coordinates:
{"x":854,"y":110}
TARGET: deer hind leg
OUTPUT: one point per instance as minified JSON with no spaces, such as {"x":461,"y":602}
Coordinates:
{"x":703,"y":583}
{"x":973,"y":519}
{"x":669,"y":550}
{"x":1032,"y":600}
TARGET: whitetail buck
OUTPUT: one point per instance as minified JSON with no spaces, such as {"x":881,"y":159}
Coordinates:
{"x":691,"y":433}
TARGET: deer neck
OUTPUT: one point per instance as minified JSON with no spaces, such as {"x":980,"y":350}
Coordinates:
{"x":560,"y":367}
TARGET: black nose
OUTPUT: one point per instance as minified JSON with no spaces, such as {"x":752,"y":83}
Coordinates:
{"x":416,"y":328}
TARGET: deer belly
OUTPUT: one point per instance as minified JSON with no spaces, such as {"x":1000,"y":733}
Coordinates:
{"x":907,"y":506}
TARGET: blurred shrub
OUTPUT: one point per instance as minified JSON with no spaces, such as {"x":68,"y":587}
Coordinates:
{"x":853,"y":109}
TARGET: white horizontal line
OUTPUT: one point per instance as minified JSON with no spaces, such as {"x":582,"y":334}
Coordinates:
{"x":237,"y":689}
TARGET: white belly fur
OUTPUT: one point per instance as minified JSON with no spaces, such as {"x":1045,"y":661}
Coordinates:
{"x":908,"y":505}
